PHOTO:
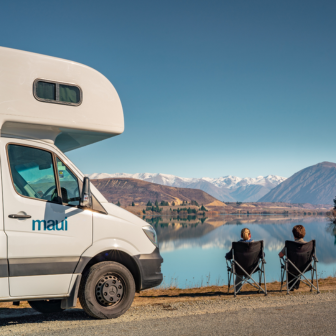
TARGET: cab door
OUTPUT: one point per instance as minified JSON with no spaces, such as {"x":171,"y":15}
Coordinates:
{"x":47,"y":230}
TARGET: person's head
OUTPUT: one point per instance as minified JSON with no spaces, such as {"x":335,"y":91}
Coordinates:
{"x":246,"y":234}
{"x":299,"y":231}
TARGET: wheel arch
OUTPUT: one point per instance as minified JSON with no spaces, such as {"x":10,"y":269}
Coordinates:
{"x":115,"y":255}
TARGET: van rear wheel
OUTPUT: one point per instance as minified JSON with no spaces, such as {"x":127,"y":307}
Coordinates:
{"x":107,"y":290}
{"x":47,"y":306}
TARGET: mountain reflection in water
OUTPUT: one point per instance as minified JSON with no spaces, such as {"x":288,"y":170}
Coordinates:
{"x":194,"y":248}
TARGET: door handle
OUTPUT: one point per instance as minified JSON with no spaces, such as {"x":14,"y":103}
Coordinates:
{"x":19,"y":216}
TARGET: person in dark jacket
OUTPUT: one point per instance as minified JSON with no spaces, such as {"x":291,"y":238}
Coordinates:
{"x":299,"y":233}
{"x":245,"y":237}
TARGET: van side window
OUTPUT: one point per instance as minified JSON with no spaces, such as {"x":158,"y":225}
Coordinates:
{"x":68,"y":183}
{"x":59,"y":93}
{"x":68,"y":93}
{"x":33,"y":172}
{"x":45,"y":90}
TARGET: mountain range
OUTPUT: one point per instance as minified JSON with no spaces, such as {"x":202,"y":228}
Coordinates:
{"x":315,"y":184}
{"x":227,"y":188}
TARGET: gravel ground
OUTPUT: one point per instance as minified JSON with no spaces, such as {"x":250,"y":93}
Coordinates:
{"x":300,"y":314}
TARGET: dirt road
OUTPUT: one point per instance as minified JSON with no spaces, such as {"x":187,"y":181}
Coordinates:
{"x":300,"y":314}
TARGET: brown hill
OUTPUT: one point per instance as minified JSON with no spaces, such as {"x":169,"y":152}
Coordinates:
{"x":128,"y":190}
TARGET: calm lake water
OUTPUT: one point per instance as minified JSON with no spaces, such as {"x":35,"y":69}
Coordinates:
{"x":194,"y":249}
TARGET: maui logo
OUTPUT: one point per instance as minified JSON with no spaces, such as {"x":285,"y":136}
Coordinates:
{"x":50,"y":225}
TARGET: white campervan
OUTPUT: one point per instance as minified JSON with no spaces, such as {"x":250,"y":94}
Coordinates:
{"x":59,"y":237}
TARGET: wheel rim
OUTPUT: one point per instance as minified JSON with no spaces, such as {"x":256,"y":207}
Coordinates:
{"x":110,"y":289}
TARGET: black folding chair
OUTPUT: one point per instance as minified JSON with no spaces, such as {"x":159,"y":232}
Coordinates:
{"x":247,"y":258}
{"x":299,"y":258}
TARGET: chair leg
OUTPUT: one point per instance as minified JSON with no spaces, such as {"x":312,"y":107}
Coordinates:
{"x":228,"y":281}
{"x":287,"y":278}
{"x":312,"y":279}
{"x":265,"y":280}
{"x":234,"y":281}
{"x":259,"y":280}
{"x":316,"y":279}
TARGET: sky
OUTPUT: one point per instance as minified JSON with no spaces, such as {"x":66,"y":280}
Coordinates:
{"x":208,"y":88}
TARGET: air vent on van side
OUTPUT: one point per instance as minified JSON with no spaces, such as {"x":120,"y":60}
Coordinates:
{"x":56,"y":92}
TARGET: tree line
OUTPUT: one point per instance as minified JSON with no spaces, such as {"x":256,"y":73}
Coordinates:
{"x":156,"y":206}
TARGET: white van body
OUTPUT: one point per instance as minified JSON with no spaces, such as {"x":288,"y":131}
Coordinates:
{"x":47,"y":239}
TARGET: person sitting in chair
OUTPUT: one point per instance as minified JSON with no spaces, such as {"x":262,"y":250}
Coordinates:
{"x":245,"y":237}
{"x":299,"y":233}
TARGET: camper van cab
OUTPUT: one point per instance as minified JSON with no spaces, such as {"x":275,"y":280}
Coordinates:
{"x":59,"y":237}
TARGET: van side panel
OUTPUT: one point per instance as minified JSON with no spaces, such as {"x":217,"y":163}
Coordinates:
{"x":4,"y":290}
{"x":57,"y":284}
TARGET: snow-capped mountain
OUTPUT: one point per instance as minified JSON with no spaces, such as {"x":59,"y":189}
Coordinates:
{"x":226,"y":188}
{"x":233,"y":182}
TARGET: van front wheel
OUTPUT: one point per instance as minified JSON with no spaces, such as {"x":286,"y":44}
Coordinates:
{"x":107,"y":290}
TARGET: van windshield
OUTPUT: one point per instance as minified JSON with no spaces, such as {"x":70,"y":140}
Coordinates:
{"x":32,"y":172}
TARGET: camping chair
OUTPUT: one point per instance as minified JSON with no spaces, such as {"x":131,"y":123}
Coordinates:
{"x":247,"y":258}
{"x":299,"y":258}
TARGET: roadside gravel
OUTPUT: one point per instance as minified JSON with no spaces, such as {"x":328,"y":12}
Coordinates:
{"x":140,"y":319}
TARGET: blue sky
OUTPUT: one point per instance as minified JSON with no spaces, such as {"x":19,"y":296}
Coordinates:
{"x":209,"y":88}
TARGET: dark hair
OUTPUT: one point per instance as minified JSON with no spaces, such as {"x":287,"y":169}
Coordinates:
{"x":299,"y":231}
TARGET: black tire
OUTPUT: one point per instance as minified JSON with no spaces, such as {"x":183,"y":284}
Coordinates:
{"x":94,"y":296}
{"x":47,"y":306}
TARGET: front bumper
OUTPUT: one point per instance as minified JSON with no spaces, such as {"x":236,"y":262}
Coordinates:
{"x":150,"y":269}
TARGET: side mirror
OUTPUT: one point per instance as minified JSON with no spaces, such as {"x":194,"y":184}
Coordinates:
{"x":86,"y":194}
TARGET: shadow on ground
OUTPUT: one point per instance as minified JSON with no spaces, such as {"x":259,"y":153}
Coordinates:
{"x":29,"y":315}
{"x":211,"y":294}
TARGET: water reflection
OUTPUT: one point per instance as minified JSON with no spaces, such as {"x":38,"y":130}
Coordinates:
{"x":194,"y":248}
{"x":331,"y":228}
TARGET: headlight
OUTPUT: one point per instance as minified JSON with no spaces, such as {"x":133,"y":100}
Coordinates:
{"x":151,"y":234}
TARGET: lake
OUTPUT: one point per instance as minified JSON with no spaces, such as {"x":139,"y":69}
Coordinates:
{"x":193,"y":249}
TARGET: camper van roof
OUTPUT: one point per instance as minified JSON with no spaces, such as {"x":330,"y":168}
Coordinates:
{"x":53,"y":99}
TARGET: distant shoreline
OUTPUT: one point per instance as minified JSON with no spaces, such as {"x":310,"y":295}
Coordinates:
{"x":176,"y":211}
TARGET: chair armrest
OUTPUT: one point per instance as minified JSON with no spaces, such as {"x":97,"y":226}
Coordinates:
{"x":315,"y":258}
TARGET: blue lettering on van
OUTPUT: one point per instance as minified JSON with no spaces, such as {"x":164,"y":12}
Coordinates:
{"x":49,"y":225}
